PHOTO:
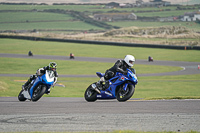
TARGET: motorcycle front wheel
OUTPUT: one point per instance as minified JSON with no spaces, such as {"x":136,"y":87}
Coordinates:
{"x":38,"y":93}
{"x":123,"y":95}
{"x":21,"y":96}
{"x":90,"y":94}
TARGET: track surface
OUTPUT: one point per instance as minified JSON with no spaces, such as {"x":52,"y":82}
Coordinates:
{"x":75,"y":114}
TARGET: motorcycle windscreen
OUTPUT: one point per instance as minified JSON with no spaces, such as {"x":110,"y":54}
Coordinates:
{"x":48,"y":78}
{"x":132,"y":76}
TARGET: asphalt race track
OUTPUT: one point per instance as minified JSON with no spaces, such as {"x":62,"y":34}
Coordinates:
{"x":75,"y":114}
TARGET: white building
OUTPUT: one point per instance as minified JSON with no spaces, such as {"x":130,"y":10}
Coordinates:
{"x":191,"y":18}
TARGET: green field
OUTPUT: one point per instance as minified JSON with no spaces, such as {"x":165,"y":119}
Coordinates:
{"x":81,"y":8}
{"x":77,"y":25}
{"x":163,"y":13}
{"x":90,"y":8}
{"x":89,"y":50}
{"x":71,"y":67}
{"x":32,"y":16}
{"x":42,"y":20}
{"x":183,"y":86}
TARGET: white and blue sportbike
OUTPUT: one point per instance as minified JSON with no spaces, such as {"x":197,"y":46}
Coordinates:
{"x":121,"y":87}
{"x":38,"y":87}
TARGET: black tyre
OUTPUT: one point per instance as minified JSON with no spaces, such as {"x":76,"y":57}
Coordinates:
{"x":122,"y":95}
{"x":38,"y":92}
{"x":21,"y":96}
{"x":90,"y":94}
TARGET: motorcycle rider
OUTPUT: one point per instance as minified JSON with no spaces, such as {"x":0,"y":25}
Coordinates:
{"x":52,"y":67}
{"x":119,"y":66}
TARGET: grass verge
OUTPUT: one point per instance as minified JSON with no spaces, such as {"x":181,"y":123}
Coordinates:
{"x":29,"y":66}
{"x":150,"y":88}
{"x":16,"y":46}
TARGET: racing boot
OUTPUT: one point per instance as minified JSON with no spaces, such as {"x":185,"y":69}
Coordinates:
{"x":106,"y":85}
{"x":24,"y":87}
{"x":99,"y":85}
{"x":48,"y":91}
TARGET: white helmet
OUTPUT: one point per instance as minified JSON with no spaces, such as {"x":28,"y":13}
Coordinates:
{"x":130,"y":60}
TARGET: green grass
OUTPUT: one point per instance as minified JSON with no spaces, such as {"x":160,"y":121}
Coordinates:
{"x":148,"y":87}
{"x":162,"y":87}
{"x":172,"y":86}
{"x":32,"y":16}
{"x":82,"y":8}
{"x":42,"y":16}
{"x":19,"y":19}
{"x":76,"y":25}
{"x":43,"y":7}
{"x":164,"y":13}
{"x":29,"y":66}
{"x":88,"y":50}
{"x":75,"y":87}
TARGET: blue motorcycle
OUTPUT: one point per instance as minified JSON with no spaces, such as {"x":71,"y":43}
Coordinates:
{"x":38,"y":87}
{"x":121,"y":87}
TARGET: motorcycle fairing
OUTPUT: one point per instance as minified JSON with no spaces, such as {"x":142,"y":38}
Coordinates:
{"x":46,"y":79}
{"x":132,"y":76}
{"x":100,"y":74}
{"x":109,"y":93}
{"x":117,"y":80}
{"x":105,"y":95}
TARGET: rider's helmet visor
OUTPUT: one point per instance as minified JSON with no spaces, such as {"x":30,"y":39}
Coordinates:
{"x":130,"y":61}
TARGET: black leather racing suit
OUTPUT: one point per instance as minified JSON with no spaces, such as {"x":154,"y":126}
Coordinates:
{"x":120,"y":66}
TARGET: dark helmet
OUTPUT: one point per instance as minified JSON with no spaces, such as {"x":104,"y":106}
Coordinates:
{"x":52,"y":66}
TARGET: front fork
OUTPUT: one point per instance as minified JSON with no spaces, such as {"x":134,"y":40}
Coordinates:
{"x":124,"y":89}
{"x":125,"y":86}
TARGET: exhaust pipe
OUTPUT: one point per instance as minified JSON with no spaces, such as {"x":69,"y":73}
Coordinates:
{"x":95,"y":88}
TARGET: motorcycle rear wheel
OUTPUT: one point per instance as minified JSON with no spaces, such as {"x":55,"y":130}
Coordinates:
{"x":38,"y":93}
{"x":123,"y":96}
{"x":90,"y":94}
{"x":21,"y":96}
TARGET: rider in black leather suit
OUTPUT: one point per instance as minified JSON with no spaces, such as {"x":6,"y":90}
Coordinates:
{"x":120,"y":66}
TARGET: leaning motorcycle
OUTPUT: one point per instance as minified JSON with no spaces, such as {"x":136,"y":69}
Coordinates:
{"x":38,"y":87}
{"x":121,"y":87}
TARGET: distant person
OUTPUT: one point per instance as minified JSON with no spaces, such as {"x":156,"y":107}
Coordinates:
{"x":30,"y":53}
{"x":41,"y":71}
{"x":71,"y":56}
{"x":150,"y":58}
